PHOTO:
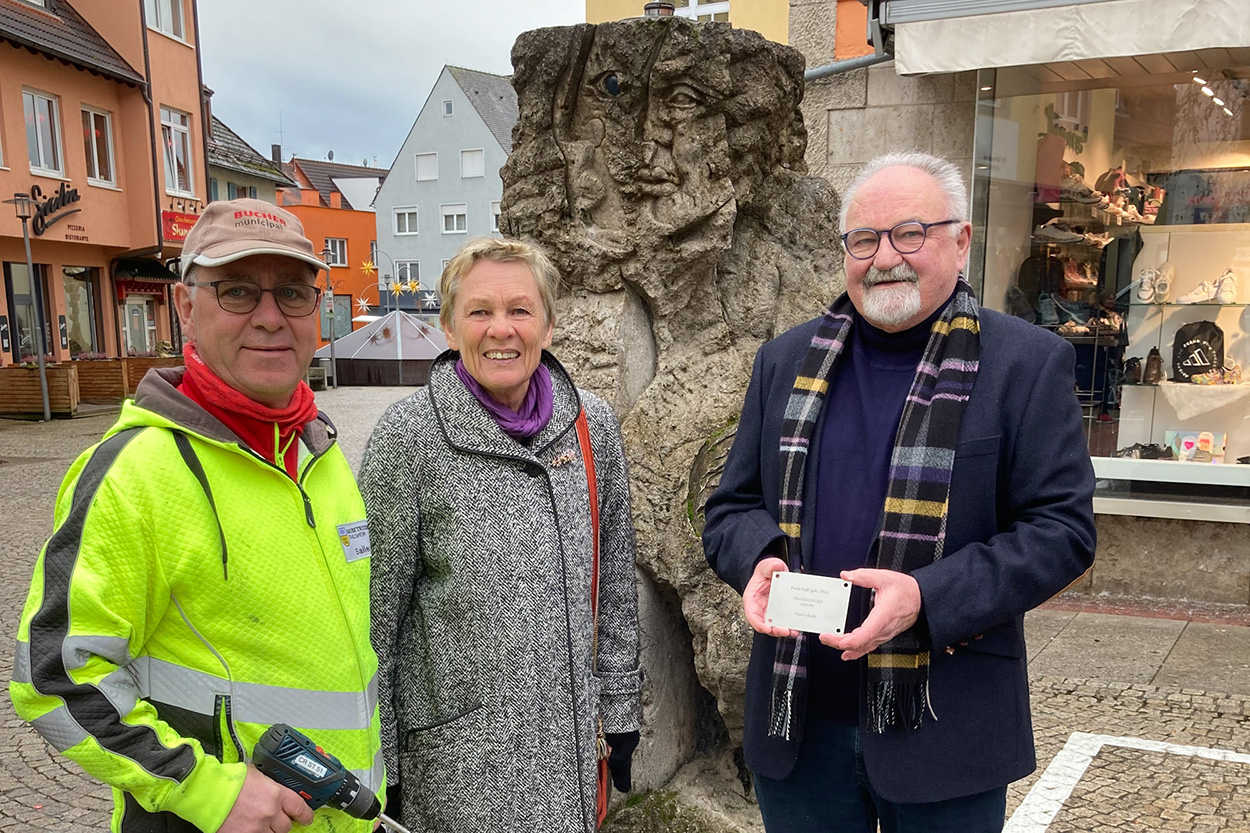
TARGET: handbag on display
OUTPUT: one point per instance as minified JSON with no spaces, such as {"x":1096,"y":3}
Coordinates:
{"x":1197,"y":348}
{"x":603,"y":778}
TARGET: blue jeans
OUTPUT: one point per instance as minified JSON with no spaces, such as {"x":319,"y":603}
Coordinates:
{"x":828,"y":792}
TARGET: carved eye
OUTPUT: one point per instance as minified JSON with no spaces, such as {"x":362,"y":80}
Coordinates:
{"x":684,"y":97}
{"x":611,"y":84}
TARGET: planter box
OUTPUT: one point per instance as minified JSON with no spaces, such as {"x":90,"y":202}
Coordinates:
{"x":137,"y":368}
{"x":102,"y":380}
{"x":20,"y":396}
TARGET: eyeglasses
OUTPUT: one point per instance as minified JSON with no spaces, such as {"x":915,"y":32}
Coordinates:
{"x":906,"y":238}
{"x":294,"y":299}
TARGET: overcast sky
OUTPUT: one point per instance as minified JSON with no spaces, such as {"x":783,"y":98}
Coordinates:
{"x":351,"y":75}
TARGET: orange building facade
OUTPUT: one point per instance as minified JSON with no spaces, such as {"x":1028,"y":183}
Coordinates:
{"x":334,"y":202}
{"x":102,"y":123}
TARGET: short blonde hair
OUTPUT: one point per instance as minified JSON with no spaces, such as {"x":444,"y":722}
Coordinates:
{"x":497,"y":250}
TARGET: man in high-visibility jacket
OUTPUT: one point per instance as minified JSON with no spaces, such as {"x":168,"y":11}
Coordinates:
{"x":208,"y":575}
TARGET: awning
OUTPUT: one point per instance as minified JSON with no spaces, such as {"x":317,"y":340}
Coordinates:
{"x":953,"y":39}
{"x":145,"y":269}
{"x":125,"y":288}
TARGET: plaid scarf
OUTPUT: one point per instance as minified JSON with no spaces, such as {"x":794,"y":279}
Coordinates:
{"x":913,"y":520}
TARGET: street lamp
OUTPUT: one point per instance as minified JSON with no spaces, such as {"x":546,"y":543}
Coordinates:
{"x":25,"y":211}
{"x":334,"y":364}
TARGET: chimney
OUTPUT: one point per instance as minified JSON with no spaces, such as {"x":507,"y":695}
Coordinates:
{"x":275,"y":153}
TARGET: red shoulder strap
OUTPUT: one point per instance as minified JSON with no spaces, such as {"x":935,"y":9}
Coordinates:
{"x":588,"y":459}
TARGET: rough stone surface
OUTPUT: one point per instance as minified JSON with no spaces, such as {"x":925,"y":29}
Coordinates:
{"x":661,"y":164}
{"x":1205,"y":562}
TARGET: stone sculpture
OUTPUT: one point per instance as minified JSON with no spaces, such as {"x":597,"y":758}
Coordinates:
{"x":661,"y":164}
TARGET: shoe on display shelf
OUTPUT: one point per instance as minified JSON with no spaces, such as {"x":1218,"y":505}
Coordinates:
{"x":1131,"y":213}
{"x":1019,"y":306}
{"x":1099,"y":240}
{"x":1203,"y":293}
{"x":1071,"y":310}
{"x":1154,"y":451}
{"x":1056,"y":234}
{"x":1232,"y":372}
{"x":1153,"y":372}
{"x":1145,"y":292}
{"x":1074,"y":189}
{"x":1071,"y":328}
{"x":1165,"y":275}
{"x":1047,"y":310}
{"x":1132,"y":370}
{"x":1226,"y":287}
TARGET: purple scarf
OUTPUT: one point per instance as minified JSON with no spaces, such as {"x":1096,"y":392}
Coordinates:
{"x":535,"y":411}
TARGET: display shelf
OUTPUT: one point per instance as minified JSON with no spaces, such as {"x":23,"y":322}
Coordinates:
{"x":1172,"y":471}
{"x":1174,"y":305}
{"x":1172,"y":509}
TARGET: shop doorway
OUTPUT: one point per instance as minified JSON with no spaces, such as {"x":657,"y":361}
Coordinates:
{"x":140,"y":327}
{"x":81,"y":310}
{"x":25,"y":296}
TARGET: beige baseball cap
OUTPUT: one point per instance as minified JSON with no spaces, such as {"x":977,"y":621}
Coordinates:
{"x":230,"y":230}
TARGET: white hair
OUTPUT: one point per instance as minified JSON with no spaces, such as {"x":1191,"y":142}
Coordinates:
{"x":947,"y":176}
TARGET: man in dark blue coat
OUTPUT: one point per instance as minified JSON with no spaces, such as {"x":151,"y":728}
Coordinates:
{"x":931,"y":453}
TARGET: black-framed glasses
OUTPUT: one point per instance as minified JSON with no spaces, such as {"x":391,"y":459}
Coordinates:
{"x":906,"y":238}
{"x":294,"y":299}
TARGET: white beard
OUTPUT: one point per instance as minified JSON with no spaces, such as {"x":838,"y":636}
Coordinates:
{"x":890,"y":306}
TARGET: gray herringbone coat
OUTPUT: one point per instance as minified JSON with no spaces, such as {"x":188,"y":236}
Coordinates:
{"x":481,"y":608}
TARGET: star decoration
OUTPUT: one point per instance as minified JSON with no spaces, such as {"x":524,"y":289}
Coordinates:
{"x":362,"y":304}
{"x":413,"y":286}
{"x":368,"y":267}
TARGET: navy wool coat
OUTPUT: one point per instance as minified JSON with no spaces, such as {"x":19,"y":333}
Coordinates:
{"x":1020,"y":529}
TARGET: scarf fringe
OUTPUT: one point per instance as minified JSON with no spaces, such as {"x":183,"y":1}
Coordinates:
{"x":898,"y":705}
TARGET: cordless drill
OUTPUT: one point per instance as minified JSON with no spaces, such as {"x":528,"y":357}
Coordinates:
{"x":295,"y":762}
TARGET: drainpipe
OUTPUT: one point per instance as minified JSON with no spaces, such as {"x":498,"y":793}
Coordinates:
{"x":158,"y":249}
{"x":199,"y":75}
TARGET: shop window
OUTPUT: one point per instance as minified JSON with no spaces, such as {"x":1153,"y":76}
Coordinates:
{"x":176,"y":137}
{"x":342,"y":323}
{"x":1119,"y":218}
{"x":166,"y":16}
{"x":494,"y":216}
{"x":427,"y":167}
{"x":43,"y":133}
{"x":24,"y":298}
{"x":81,"y":305}
{"x":338,"y":251}
{"x":472,"y":163}
{"x":702,"y":10}
{"x":97,"y":139}
{"x":455,"y":218}
{"x":405,"y":220}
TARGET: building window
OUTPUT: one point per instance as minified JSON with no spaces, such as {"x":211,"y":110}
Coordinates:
{"x":455,"y":218}
{"x":251,"y":192}
{"x":176,"y":136}
{"x":166,"y":16}
{"x":338,"y":251}
{"x":408,"y":271}
{"x":97,"y":139}
{"x":43,"y":133}
{"x":406,"y":220}
{"x":448,"y":108}
{"x":472,"y":163}
{"x":427,"y":167}
{"x":232,"y":191}
{"x":212,"y":189}
{"x":494,"y":216}
{"x":703,"y":11}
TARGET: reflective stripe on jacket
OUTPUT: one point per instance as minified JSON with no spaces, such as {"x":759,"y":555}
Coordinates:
{"x":154,"y":653}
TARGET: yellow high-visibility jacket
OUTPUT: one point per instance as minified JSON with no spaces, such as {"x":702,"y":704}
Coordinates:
{"x":164,"y":633}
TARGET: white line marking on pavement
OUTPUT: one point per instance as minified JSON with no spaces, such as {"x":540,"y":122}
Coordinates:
{"x":1046,"y":799}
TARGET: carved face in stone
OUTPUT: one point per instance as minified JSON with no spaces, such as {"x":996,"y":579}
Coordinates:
{"x":648,"y":134}
{"x":641,"y":142}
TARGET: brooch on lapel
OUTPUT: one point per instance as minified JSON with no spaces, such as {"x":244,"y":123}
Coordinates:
{"x":562,"y":459}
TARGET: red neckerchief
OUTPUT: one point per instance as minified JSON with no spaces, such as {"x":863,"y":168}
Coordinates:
{"x":252,"y":422}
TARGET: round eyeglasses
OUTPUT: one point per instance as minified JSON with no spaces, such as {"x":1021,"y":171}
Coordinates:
{"x":906,"y":238}
{"x":294,"y":299}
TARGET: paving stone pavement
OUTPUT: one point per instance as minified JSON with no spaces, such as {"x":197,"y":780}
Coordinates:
{"x":1142,"y":724}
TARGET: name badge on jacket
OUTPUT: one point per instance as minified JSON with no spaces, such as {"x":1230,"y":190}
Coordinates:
{"x":355,"y":540}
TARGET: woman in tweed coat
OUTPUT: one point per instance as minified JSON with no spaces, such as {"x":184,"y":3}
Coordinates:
{"x":479,"y":521}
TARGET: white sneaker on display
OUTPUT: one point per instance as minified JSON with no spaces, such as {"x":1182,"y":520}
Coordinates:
{"x":1226,"y":288}
{"x":1146,"y":286}
{"x":1163,"y":283}
{"x":1201,"y":294}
